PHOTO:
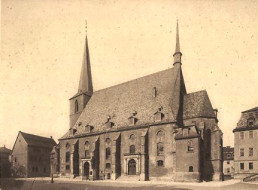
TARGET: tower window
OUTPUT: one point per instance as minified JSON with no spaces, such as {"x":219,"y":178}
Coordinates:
{"x":67,"y":157}
{"x":190,"y":168}
{"x":190,"y":146}
{"x":76,"y":106}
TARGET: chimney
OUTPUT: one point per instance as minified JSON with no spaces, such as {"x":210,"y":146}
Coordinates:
{"x":51,"y":137}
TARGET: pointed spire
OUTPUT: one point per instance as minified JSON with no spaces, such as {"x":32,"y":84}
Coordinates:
{"x":85,"y":84}
{"x":177,"y":55}
{"x":177,"y":39}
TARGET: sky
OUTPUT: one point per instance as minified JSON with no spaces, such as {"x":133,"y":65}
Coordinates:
{"x":42,"y":46}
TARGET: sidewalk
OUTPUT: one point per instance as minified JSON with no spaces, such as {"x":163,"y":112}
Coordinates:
{"x":136,"y":183}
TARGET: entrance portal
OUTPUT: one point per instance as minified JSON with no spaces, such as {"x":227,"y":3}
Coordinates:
{"x":86,"y":169}
{"x":132,"y":167}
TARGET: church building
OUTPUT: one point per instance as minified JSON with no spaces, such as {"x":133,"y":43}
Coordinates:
{"x":148,"y":128}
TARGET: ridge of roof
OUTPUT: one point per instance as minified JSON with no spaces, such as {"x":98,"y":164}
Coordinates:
{"x":35,"y":139}
{"x":123,"y":83}
{"x":253,"y":109}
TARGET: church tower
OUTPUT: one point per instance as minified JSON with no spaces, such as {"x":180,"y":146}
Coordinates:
{"x":179,"y":86}
{"x":85,"y":89}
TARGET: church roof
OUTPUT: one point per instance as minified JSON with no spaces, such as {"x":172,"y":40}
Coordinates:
{"x":197,"y":104}
{"x":251,"y":110}
{"x":34,"y":140}
{"x":121,"y":101}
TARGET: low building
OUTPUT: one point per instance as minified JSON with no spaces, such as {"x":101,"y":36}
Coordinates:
{"x":4,"y":162}
{"x":55,"y":160}
{"x":228,"y":162}
{"x":31,"y":155}
{"x":246,"y":144}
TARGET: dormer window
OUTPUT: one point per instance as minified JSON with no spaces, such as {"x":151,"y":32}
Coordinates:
{"x":109,"y":124}
{"x":159,"y":115}
{"x":250,"y":122}
{"x":72,"y":131}
{"x":132,"y":119}
{"x":88,"y":128}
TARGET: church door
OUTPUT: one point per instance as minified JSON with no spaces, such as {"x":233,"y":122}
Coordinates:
{"x":132,"y":167}
{"x":86,"y":169}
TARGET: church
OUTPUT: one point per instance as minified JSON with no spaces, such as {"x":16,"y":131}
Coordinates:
{"x":149,"y":128}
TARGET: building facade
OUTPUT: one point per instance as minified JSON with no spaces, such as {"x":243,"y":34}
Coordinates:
{"x":246,"y":144}
{"x":31,"y":155}
{"x":5,"y":165}
{"x":228,"y":162}
{"x":142,"y":129}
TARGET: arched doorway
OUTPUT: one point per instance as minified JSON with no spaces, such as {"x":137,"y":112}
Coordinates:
{"x":86,"y":169}
{"x":132,"y":167}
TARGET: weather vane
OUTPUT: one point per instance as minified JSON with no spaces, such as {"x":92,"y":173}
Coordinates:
{"x":86,"y":26}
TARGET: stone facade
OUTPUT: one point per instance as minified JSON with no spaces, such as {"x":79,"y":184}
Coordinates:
{"x":246,"y":141}
{"x":31,"y":156}
{"x":228,"y":162}
{"x":141,"y":130}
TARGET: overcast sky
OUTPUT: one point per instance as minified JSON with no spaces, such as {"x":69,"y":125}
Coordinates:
{"x":42,"y":47}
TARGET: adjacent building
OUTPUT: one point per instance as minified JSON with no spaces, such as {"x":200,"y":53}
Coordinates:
{"x":31,"y":155}
{"x":149,"y":128}
{"x":246,"y":144}
{"x":228,"y":162}
{"x":5,"y":164}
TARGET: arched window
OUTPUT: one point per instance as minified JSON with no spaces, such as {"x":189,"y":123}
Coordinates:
{"x":208,"y":141}
{"x":108,"y":153}
{"x":67,"y":146}
{"x":132,"y":149}
{"x":108,"y":141}
{"x":67,"y":157}
{"x":160,"y":163}
{"x":132,"y":137}
{"x":76,"y":106}
{"x":160,"y":136}
{"x":87,"y":144}
{"x":190,"y":168}
{"x":160,"y":149}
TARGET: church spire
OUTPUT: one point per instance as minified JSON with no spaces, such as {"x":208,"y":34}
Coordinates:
{"x":177,"y":55}
{"x":85,"y":84}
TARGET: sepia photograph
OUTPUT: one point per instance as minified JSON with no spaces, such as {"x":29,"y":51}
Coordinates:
{"x":129,"y":94}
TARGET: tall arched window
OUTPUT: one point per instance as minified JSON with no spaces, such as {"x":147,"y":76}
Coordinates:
{"x":76,"y":106}
{"x":160,"y":136}
{"x":132,"y":149}
{"x":108,"y":153}
{"x":190,"y":168}
{"x":160,"y":149}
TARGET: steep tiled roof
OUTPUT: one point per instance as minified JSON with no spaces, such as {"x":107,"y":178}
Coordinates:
{"x":34,"y":140}
{"x":5,"y":150}
{"x":197,"y":104}
{"x":246,"y":116}
{"x":120,"y":101}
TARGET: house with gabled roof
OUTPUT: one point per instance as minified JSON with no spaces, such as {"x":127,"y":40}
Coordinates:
{"x":149,"y":128}
{"x":30,"y":155}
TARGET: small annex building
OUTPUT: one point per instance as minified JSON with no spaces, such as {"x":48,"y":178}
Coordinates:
{"x":30,"y":155}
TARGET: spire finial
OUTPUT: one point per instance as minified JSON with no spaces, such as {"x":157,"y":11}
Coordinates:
{"x":86,"y":26}
{"x":177,"y":38}
{"x":177,"y":55}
